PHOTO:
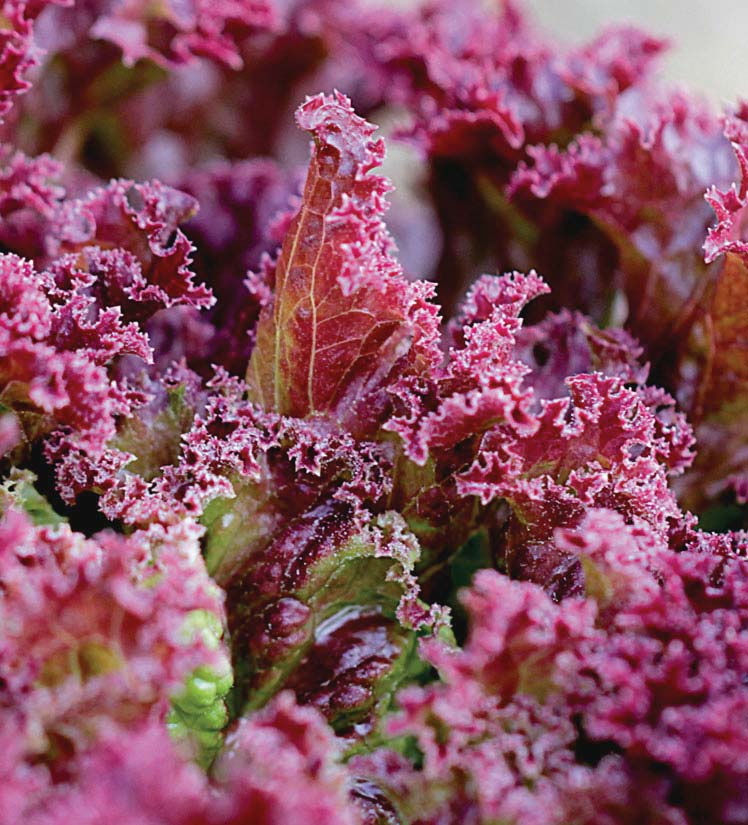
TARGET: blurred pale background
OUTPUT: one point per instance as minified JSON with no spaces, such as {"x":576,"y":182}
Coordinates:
{"x":709,"y":39}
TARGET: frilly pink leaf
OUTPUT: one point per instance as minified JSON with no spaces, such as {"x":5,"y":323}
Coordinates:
{"x":617,"y":59}
{"x":301,"y":783}
{"x":18,"y":52}
{"x":29,"y":195}
{"x":568,"y":343}
{"x":121,"y":777}
{"x":51,"y":369}
{"x":613,"y":707}
{"x":172,"y":33}
{"x":343,"y":318}
{"x":95,"y":630}
{"x":480,"y":385}
{"x":142,"y":220}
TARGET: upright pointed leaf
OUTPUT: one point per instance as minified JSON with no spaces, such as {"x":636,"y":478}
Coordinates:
{"x":343,"y":316}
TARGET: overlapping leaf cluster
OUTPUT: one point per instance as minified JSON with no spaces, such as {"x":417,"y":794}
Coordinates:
{"x":288,"y":535}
